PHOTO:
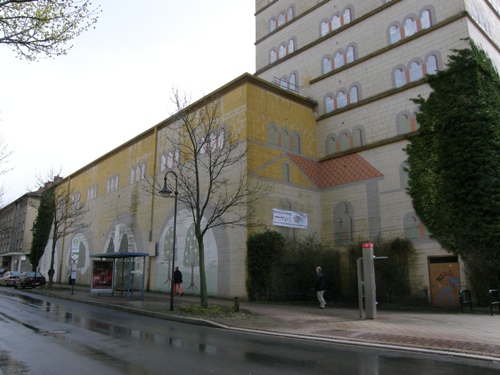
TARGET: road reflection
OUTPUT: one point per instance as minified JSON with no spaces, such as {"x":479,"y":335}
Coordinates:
{"x":61,"y":315}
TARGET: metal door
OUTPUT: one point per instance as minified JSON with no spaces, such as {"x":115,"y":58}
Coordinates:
{"x":444,"y":274}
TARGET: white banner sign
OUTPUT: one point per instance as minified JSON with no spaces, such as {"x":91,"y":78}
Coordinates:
{"x":290,"y":219}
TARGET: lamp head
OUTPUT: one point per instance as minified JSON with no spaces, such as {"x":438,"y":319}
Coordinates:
{"x":165,"y":191}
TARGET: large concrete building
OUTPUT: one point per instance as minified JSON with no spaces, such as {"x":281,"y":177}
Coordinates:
{"x":16,"y":224}
{"x":324,"y":120}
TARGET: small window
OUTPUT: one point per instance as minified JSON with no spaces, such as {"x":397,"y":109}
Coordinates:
{"x":395,"y":34}
{"x":415,"y":72}
{"x":272,"y":25}
{"x":327,"y":65}
{"x":282,"y":51}
{"x":350,"y":54}
{"x":431,"y":65}
{"x":325,"y":28}
{"x":353,"y":95}
{"x":410,"y":27}
{"x":400,"y":77}
{"x":425,"y":19}
{"x":339,"y":60}
{"x":329,"y":107}
{"x":336,"y":22}
{"x":347,"y":16}
{"x":281,"y":19}
{"x":341,"y":99}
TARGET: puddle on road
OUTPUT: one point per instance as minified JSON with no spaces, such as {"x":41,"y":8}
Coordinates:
{"x":61,"y":315}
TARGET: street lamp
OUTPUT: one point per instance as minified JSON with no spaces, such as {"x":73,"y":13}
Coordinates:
{"x":166,"y":192}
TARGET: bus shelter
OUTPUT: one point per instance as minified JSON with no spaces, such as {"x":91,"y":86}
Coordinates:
{"x":104,"y":272}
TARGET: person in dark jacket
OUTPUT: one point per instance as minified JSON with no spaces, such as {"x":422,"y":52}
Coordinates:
{"x":177,"y":282}
{"x":320,"y":287}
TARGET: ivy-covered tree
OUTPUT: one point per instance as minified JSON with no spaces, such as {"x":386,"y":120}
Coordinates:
{"x":264,"y":251}
{"x":44,"y":27}
{"x":42,"y":227}
{"x":454,"y":161}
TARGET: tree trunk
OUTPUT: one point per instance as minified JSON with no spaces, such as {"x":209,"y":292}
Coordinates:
{"x":203,"y":276}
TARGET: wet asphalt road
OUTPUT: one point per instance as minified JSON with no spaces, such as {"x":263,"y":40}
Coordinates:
{"x":41,"y":335}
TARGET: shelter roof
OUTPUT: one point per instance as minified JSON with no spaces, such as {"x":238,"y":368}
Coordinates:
{"x":122,"y":254}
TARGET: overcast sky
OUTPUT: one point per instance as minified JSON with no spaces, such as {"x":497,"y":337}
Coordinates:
{"x":116,"y":81}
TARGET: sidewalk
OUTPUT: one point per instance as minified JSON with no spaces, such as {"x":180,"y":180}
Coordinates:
{"x":472,"y":335}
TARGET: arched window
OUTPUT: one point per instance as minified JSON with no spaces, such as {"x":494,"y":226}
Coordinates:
{"x":345,"y":141}
{"x":325,"y":28}
{"x":343,"y":223}
{"x":291,"y":46}
{"x":132,"y":178}
{"x":272,"y":56}
{"x":285,"y":139}
{"x":283,"y":83}
{"x":414,"y":229}
{"x":272,"y":24}
{"x":293,"y":82}
{"x":410,"y":27}
{"x":282,"y":51}
{"x":329,"y":107}
{"x":327,"y":65}
{"x":336,"y":22}
{"x":341,"y":99}
{"x":290,"y":14}
{"x":339,"y":60}
{"x":296,"y":143}
{"x":404,"y":124}
{"x":357,"y":137}
{"x":395,"y":34}
{"x":431,"y":65}
{"x":281,"y":19}
{"x":353,"y":95}
{"x":331,"y":145}
{"x":347,"y":16}
{"x":415,"y":71}
{"x":272,"y":135}
{"x":425,"y":19}
{"x":350,"y":54}
{"x":286,"y":172}
{"x":399,"y":77}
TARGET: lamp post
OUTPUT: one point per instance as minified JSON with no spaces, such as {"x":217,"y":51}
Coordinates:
{"x":166,"y":192}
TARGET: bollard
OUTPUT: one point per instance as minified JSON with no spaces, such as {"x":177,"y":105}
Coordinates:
{"x":236,"y":304}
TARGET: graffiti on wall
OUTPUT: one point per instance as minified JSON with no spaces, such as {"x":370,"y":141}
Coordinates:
{"x":186,"y":256}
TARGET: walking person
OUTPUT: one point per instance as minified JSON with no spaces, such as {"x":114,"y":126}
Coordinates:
{"x":177,"y":282}
{"x":320,"y":287}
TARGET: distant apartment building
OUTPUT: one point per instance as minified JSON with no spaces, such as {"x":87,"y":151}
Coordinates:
{"x":16,"y":223}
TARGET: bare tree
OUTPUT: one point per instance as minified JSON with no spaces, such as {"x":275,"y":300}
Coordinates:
{"x":210,"y":163}
{"x":44,"y":27}
{"x":66,"y":211}
{"x":5,"y":158}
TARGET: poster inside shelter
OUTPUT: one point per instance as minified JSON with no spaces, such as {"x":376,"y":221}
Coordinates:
{"x":102,"y":276}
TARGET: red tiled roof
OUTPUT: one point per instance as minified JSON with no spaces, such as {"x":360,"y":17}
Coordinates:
{"x":338,"y":171}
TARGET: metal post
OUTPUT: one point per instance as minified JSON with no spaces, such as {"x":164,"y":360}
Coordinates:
{"x":369,"y":281}
{"x":360,"y":287}
{"x":166,"y":192}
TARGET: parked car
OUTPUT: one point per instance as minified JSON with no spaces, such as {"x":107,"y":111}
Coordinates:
{"x":2,"y":270}
{"x":9,"y":278}
{"x":29,"y":280}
